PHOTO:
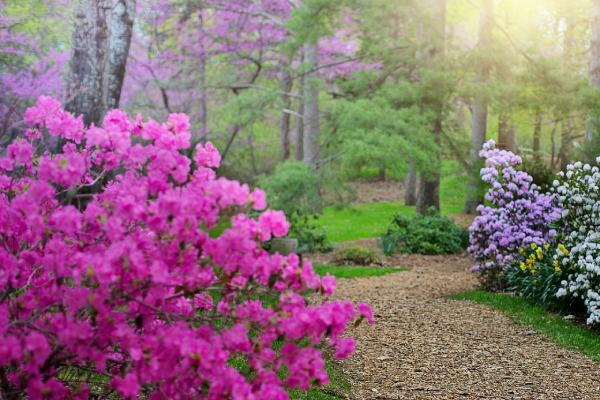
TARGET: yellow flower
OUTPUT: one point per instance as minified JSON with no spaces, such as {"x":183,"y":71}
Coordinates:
{"x":563,"y":249}
{"x":533,"y":246}
{"x":523,"y":267}
{"x":521,"y":251}
{"x":546,"y":246}
{"x":539,"y":253}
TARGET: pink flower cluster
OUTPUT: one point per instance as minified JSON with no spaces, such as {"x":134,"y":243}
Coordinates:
{"x":128,"y":264}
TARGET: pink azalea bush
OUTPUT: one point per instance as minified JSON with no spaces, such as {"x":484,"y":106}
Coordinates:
{"x":127,"y":262}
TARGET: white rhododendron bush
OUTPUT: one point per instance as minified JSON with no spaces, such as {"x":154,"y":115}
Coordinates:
{"x":578,"y":193}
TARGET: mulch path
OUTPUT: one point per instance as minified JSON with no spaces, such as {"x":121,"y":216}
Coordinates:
{"x":425,"y":346}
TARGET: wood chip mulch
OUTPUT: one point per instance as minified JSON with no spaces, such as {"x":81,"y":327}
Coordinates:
{"x":425,"y":346}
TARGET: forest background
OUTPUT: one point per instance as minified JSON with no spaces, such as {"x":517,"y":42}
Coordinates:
{"x":309,"y":95}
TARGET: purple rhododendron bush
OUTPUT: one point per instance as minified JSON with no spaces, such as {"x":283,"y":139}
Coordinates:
{"x":516,"y":215}
{"x":116,"y":266}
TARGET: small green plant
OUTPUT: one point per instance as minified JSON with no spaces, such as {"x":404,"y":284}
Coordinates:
{"x":355,"y":256}
{"x":311,"y":236}
{"x":429,"y":234}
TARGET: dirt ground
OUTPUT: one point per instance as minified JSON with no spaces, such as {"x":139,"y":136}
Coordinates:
{"x":425,"y":346}
{"x":378,"y":191}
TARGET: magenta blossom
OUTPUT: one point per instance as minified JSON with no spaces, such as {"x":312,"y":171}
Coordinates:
{"x":127,"y":262}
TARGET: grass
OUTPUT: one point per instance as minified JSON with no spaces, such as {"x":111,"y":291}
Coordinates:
{"x":556,"y":329}
{"x":355,"y":272}
{"x":360,"y":221}
{"x":453,"y":188}
{"x":338,"y":387}
{"x":365,"y":221}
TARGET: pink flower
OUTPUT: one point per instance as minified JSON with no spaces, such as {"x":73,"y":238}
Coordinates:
{"x":344,"y":347}
{"x":273,"y":223}
{"x":148,"y":274}
{"x":328,"y":284}
{"x":366,"y":311}
{"x":236,"y":338}
{"x":128,"y":386}
{"x":44,"y":108}
{"x":207,"y":156}
{"x":259,"y":199}
{"x":21,"y":152}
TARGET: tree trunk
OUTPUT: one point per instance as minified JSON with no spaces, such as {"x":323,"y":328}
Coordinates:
{"x":410,"y":185}
{"x":311,"y":109}
{"x":101,"y":42}
{"x":429,"y":185}
{"x":594,"y":71}
{"x":428,"y":195}
{"x":299,"y":145}
{"x":537,"y":135}
{"x":506,"y":133}
{"x":284,"y":125}
{"x":566,"y":143}
{"x":479,"y":112}
{"x":203,"y":90}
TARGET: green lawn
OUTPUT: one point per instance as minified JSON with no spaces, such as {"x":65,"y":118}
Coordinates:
{"x":355,"y":272}
{"x":364,"y":221}
{"x":360,"y":221}
{"x":556,"y":329}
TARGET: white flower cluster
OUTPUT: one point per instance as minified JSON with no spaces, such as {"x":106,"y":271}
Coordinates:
{"x":578,"y":194}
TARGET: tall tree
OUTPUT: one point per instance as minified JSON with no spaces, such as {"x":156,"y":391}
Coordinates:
{"x":410,"y":184}
{"x":312,"y":124}
{"x":479,"y":109}
{"x":506,"y":132}
{"x":594,"y":68}
{"x":537,"y":135}
{"x":287,"y":83}
{"x":101,"y":43}
{"x":429,"y":184}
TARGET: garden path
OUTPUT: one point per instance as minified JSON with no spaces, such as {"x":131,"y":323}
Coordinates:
{"x":425,"y":346}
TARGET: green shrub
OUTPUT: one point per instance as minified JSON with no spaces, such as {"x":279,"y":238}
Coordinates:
{"x":293,"y":188}
{"x":540,"y":172}
{"x":311,"y":236}
{"x":429,"y":234}
{"x":355,"y":256}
